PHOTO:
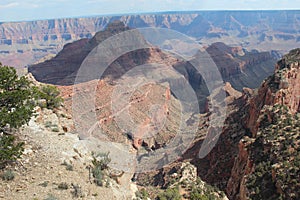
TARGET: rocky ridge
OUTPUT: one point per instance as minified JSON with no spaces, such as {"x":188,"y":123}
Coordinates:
{"x":246,"y":162}
{"x":31,"y":41}
{"x":237,"y":65}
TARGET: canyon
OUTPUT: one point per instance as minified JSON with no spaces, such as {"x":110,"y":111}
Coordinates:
{"x":256,"y":155}
{"x":235,"y":159}
{"x":36,"y":41}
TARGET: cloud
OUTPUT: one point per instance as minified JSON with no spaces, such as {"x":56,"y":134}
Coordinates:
{"x":9,"y":5}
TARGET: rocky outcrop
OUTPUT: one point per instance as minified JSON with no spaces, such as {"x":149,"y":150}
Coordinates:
{"x":252,"y":116}
{"x":240,"y":67}
{"x":62,"y":69}
{"x":236,"y":186}
{"x":281,"y":89}
{"x":236,"y":65}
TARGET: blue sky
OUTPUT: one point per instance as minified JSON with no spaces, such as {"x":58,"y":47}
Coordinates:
{"x":19,"y":10}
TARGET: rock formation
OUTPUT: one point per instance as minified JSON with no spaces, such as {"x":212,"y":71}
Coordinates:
{"x":247,"y":161}
{"x":245,"y":149}
{"x":33,"y":40}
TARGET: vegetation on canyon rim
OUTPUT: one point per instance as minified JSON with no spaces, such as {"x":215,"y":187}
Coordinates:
{"x":18,"y":97}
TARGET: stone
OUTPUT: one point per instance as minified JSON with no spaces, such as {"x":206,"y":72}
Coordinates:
{"x":81,"y":149}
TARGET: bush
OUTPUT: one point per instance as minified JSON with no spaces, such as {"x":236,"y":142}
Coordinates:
{"x":100,"y":162}
{"x":16,"y":109}
{"x":48,"y":124}
{"x":10,"y":150}
{"x":55,"y":129}
{"x":51,"y":197}
{"x":44,"y":184}
{"x":16,"y":105}
{"x":69,"y":167}
{"x":49,"y":93}
{"x":8,"y":175}
{"x":170,"y":194}
{"x":98,"y":176}
{"x":63,"y":186}
{"x":142,"y":194}
{"x":208,"y":193}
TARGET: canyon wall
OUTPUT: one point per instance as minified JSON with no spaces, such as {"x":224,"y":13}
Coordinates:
{"x":35,"y":40}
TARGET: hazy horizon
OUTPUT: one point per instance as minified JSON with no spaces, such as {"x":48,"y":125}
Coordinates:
{"x":31,"y":10}
{"x":143,"y":13}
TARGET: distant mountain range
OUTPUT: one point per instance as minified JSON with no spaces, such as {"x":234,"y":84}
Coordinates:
{"x":24,"y":43}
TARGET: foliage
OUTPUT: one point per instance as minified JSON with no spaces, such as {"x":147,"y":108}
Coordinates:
{"x":51,"y":94}
{"x":17,"y":100}
{"x":16,"y":106}
{"x":55,"y":129}
{"x":276,"y":156}
{"x":16,"y":109}
{"x":142,"y":194}
{"x":100,"y":163}
{"x":8,"y":175}
{"x":63,"y":186}
{"x":199,"y":194}
{"x":260,"y":183}
{"x":170,"y":194}
{"x":44,"y":184}
{"x":202,"y":191}
{"x":98,"y":176}
{"x":51,"y":197}
{"x":9,"y":149}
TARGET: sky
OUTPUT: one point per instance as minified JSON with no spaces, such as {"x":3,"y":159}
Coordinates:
{"x":24,"y":10}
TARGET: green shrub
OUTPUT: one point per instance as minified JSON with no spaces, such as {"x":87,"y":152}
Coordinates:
{"x":63,"y":186}
{"x":10,"y":150}
{"x":51,"y":197}
{"x":51,"y":94}
{"x":69,"y":167}
{"x":98,"y":175}
{"x":48,"y":124}
{"x":170,"y":194}
{"x":207,"y":193}
{"x":101,"y":160}
{"x":44,"y":184}
{"x":100,"y":163}
{"x":8,"y":175}
{"x":16,"y":109}
{"x":55,"y":129}
{"x":142,"y":194}
{"x":16,"y":105}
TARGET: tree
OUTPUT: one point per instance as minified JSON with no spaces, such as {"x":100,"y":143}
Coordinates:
{"x":16,"y":103}
{"x":170,"y":194}
{"x":17,"y":99}
{"x":10,"y":150}
{"x":51,"y":94}
{"x":16,"y":109}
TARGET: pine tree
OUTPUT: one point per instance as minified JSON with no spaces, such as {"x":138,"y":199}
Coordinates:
{"x":16,"y":109}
